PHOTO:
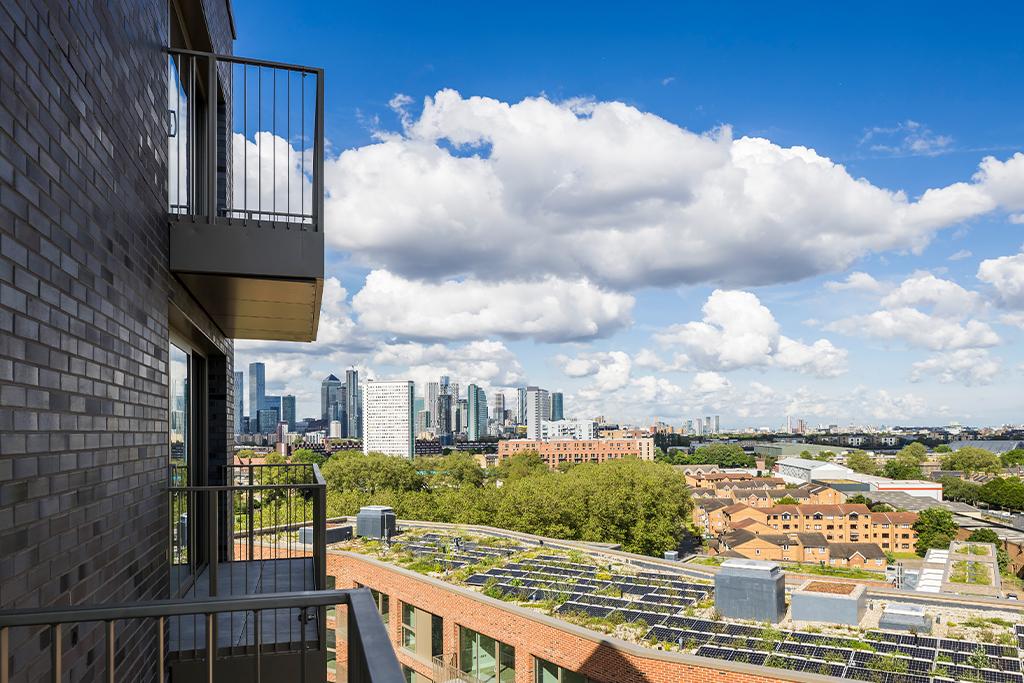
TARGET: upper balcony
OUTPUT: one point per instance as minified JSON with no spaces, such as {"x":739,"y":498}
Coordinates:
{"x":245,"y":191}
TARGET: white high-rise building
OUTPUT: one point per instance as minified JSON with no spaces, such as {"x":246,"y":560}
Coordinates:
{"x":538,"y":409}
{"x":476,"y":409}
{"x":388,"y":420}
{"x":335,"y":429}
{"x":576,"y":429}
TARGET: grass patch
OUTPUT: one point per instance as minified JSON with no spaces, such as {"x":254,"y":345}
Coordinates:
{"x":709,"y":561}
{"x":845,"y":572}
{"x":970,"y":573}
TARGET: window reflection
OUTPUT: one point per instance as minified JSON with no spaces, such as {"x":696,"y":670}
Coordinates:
{"x":179,"y":433}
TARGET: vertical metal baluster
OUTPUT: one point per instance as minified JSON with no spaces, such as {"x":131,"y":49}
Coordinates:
{"x":288,"y":137}
{"x":273,"y":125}
{"x":317,"y":200}
{"x":252,"y":511}
{"x":211,"y":139}
{"x":160,"y":645}
{"x":245,"y":141}
{"x":258,"y":642}
{"x":259,"y":140}
{"x":190,"y":150}
{"x":55,"y":653}
{"x":302,"y":646}
{"x":5,"y":655}
{"x":211,"y":645}
{"x":110,"y":651}
{"x":302,"y":151}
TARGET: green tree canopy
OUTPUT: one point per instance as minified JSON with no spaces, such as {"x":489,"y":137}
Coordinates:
{"x":787,"y":500}
{"x":935,"y":529}
{"x":943,"y":448}
{"x":897,"y":469}
{"x":915,"y":452}
{"x":859,"y":461}
{"x":644,"y":506}
{"x":306,"y":455}
{"x":721,"y":454}
{"x":351,"y":471}
{"x":972,"y":460}
{"x":520,"y":465}
{"x":1014,"y":458}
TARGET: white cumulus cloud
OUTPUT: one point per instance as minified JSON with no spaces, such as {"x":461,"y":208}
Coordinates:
{"x":550,"y":309}
{"x":1006,"y":275}
{"x":969,"y":367}
{"x":942,"y":325}
{"x":918,"y":329}
{"x":858,"y":282}
{"x":486,"y":362}
{"x":738,"y":331}
{"x":474,"y":186}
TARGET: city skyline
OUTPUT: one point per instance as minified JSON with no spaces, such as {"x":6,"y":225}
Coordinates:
{"x":865,"y":265}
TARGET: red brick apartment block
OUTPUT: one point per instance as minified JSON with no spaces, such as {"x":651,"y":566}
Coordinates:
{"x":533,"y":635}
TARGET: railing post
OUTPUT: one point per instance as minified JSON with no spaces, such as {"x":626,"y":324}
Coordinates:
{"x":251,"y":511}
{"x":213,"y":554}
{"x":320,"y":554}
{"x":318,"y":153}
{"x":211,"y":138}
{"x":211,"y":644}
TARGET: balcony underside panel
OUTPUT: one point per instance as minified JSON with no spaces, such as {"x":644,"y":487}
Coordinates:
{"x":253,"y":308}
{"x":256,"y":282}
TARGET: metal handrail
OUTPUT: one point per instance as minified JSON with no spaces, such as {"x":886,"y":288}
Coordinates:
{"x":369,"y":645}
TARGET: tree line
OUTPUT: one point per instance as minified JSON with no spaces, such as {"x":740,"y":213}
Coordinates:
{"x":643,"y":506}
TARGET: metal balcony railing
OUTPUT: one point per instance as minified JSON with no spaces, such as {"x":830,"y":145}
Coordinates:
{"x":371,"y":658}
{"x":265,"y":518}
{"x":245,"y":141}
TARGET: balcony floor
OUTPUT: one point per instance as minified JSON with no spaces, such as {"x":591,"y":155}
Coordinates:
{"x":279,"y":629}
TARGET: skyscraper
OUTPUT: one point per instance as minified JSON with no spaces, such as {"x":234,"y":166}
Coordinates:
{"x":707,"y":424}
{"x":498,"y":412}
{"x":353,"y":409}
{"x":433,"y":391}
{"x":443,"y":419}
{"x":538,"y":409}
{"x":717,"y":425}
{"x":239,"y":402}
{"x":556,"y":406}
{"x":388,"y":417}
{"x":330,"y":393}
{"x":257,"y":388}
{"x":267,"y":419}
{"x":476,"y":407}
{"x":443,"y":414}
{"x":288,"y":411}
{"x":521,"y":405}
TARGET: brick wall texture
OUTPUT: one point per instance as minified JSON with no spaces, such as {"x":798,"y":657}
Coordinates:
{"x":84,"y":299}
{"x":597,"y":658}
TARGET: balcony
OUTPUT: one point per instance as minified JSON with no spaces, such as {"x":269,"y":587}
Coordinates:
{"x":245,"y":191}
{"x":250,"y":594}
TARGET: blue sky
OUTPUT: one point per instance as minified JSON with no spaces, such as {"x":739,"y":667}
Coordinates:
{"x":564,"y":206}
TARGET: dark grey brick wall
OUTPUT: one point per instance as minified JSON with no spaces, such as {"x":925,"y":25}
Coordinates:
{"x":84,"y":299}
